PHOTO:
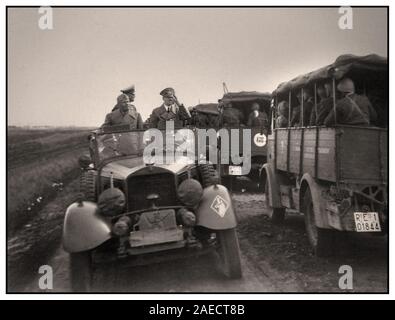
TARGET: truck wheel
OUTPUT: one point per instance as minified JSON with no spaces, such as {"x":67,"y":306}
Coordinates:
{"x":229,"y":253}
{"x":276,"y":215}
{"x":80,"y":271}
{"x":209,"y":175}
{"x":321,"y":240}
{"x":88,"y":185}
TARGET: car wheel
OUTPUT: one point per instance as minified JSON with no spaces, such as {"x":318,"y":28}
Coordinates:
{"x":209,"y":175}
{"x":276,"y":215}
{"x":81,"y":271}
{"x":229,"y":253}
{"x":88,"y":185}
{"x":321,"y":240}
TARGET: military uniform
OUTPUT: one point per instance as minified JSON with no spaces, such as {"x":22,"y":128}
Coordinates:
{"x":118,"y":117}
{"x":175,"y":112}
{"x":353,"y":109}
{"x":160,"y":115}
{"x":259,"y":119}
{"x":323,"y":108}
{"x":281,"y":121}
{"x":295,"y":116}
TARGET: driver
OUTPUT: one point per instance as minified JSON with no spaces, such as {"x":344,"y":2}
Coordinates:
{"x":124,"y":114}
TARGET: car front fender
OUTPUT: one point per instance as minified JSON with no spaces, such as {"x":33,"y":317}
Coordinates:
{"x":215,"y":210}
{"x":83,"y":228}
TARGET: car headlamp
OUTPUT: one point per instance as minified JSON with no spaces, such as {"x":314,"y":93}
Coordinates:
{"x":111,"y":202}
{"x":190,"y":192}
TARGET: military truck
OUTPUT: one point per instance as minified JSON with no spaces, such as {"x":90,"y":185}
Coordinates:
{"x":336,"y":176}
{"x":134,"y":211}
{"x":211,"y":115}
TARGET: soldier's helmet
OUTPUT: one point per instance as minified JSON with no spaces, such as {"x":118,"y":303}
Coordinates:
{"x":346,"y":85}
{"x":123,"y":98}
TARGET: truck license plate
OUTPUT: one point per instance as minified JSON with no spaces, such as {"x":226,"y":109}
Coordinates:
{"x":367,"y":222}
{"x":235,"y":170}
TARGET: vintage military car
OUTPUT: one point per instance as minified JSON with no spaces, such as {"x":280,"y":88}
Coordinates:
{"x":210,"y":115}
{"x":337,"y":176}
{"x":135,"y":210}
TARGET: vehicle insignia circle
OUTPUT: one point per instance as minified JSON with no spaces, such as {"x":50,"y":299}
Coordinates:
{"x":260,"y":140}
{"x":220,"y":206}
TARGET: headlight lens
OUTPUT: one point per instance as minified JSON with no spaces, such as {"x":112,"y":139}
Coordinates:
{"x":190,"y":192}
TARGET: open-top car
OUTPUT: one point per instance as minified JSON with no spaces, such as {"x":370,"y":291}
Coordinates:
{"x":135,"y":208}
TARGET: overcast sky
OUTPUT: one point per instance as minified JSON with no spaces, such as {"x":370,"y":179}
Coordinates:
{"x":71,"y":75}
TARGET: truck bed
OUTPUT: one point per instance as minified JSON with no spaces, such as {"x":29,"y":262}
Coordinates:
{"x":347,"y":154}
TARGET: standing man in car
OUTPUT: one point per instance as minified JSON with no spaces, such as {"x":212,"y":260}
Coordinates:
{"x":170,"y":110}
{"x":124,"y":114}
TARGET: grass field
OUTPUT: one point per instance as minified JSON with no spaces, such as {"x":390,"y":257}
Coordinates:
{"x":39,"y":164}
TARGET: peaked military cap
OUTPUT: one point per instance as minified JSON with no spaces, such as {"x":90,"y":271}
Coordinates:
{"x":130,"y":89}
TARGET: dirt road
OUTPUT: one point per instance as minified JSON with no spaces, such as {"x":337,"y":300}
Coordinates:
{"x":274,"y":259}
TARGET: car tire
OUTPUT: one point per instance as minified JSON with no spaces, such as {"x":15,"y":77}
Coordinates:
{"x":229,"y":253}
{"x":321,"y":240}
{"x":276,"y":215}
{"x":209,"y":175}
{"x":88,"y":185}
{"x":80,"y":271}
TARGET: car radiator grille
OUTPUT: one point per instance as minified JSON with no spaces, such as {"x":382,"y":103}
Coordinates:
{"x":140,"y":186}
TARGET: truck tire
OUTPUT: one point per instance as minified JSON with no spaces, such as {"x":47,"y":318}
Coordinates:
{"x":209,"y":175}
{"x":321,"y":240}
{"x":229,"y":253}
{"x":80,"y":271}
{"x":88,"y":185}
{"x":276,"y":215}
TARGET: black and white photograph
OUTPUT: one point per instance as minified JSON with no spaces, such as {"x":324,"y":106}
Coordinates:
{"x":207,"y":150}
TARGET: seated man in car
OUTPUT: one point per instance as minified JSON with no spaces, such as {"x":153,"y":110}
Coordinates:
{"x":351,"y":108}
{"x":257,"y":118}
{"x":124,"y":114}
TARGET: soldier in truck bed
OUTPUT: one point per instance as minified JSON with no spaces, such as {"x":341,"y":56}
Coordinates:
{"x":308,"y":105}
{"x":351,"y":108}
{"x":324,"y":105}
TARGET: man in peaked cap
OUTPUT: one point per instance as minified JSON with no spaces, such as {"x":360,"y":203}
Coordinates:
{"x":130,"y":92}
{"x":124,"y":114}
{"x":170,"y":110}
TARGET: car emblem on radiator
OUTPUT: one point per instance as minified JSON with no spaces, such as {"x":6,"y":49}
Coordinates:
{"x":220,"y":206}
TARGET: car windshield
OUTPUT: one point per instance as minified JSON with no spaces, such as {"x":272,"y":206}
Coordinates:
{"x":132,"y":143}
